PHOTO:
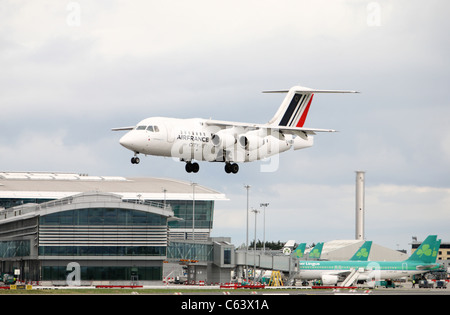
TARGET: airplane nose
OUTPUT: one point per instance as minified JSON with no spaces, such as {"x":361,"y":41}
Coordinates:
{"x":127,"y":141}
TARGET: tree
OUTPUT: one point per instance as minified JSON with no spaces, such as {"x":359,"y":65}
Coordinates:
{"x":269,"y":245}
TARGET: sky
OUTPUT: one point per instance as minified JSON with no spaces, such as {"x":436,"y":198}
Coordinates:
{"x":72,"y":70}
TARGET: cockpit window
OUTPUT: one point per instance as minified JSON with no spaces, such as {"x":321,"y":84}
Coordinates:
{"x":148,"y":128}
{"x":153,"y":128}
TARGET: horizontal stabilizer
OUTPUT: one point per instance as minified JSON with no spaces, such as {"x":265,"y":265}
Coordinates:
{"x":299,"y":89}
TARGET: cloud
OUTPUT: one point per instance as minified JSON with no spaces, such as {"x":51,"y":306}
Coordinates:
{"x":50,"y":151}
{"x":63,"y":86}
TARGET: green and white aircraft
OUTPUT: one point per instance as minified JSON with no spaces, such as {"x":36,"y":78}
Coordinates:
{"x":331,"y":272}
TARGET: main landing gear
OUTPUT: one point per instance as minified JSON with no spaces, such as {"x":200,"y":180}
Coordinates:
{"x":135,"y":160}
{"x":231,"y":168}
{"x":192,"y":167}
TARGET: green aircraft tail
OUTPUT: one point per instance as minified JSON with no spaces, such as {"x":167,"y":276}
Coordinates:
{"x":299,"y":252}
{"x":316,"y":252}
{"x":362,"y":254}
{"x":427,"y":251}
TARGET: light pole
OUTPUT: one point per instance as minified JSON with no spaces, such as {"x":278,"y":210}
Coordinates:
{"x":193,"y":209}
{"x":164,"y":191}
{"x":246,"y":241}
{"x":264,"y":205}
{"x":254,"y":247}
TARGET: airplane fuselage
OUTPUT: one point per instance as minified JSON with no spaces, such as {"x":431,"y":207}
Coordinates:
{"x":195,"y":139}
{"x":310,"y":270}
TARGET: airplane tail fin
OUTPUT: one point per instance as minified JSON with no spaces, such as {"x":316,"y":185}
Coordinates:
{"x":295,"y":106}
{"x":299,"y":252}
{"x":427,"y":251}
{"x":363,"y":252}
{"x":316,"y":252}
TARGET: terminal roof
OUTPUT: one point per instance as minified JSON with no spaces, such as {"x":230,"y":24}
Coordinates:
{"x":59,"y":185}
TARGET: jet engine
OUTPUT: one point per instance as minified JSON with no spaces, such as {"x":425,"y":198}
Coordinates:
{"x":330,"y":279}
{"x":223,"y":140}
{"x":250,"y":141}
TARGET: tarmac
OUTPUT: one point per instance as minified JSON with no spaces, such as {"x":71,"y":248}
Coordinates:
{"x":179,"y":289}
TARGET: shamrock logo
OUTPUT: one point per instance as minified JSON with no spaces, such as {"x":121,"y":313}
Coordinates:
{"x":299,"y":253}
{"x":425,"y":250}
{"x":314,"y":253}
{"x":363,"y":253}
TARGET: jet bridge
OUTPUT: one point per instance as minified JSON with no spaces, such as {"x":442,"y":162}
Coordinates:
{"x":268,"y":260}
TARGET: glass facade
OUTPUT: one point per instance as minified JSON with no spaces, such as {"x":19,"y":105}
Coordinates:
{"x":104,"y":273}
{"x":12,"y":202}
{"x":103,"y":216}
{"x":102,"y":250}
{"x":190,"y":251}
{"x":9,"y":249}
{"x":227,"y":256}
{"x":204,"y":213}
{"x":102,"y":232}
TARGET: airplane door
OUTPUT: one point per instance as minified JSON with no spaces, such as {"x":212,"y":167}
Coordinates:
{"x":169,"y":132}
{"x":404,"y":267}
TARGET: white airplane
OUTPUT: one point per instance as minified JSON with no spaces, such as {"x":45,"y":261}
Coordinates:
{"x":197,"y":139}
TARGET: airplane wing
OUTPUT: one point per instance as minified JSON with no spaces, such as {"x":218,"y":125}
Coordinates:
{"x":426,"y":267}
{"x":282,"y":129}
{"x":340,"y":273}
{"x":123,"y":128}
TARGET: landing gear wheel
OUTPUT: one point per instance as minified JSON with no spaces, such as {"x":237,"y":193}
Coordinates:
{"x":135,"y":160}
{"x":234,"y":168}
{"x":231,"y":168}
{"x":192,"y":167}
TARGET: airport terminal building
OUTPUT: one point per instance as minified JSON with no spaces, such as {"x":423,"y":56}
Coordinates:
{"x":110,"y":228}
{"x":56,"y":228}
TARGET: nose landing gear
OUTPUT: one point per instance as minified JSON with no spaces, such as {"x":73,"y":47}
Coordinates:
{"x":135,"y":159}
